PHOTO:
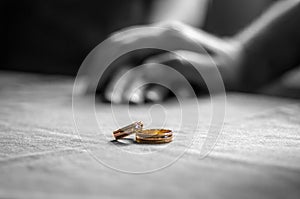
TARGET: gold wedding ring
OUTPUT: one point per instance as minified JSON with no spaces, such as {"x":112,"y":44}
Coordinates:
{"x":127,"y":130}
{"x":144,"y":136}
{"x":154,"y":136}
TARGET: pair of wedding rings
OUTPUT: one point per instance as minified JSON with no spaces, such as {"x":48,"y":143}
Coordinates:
{"x":144,"y":136}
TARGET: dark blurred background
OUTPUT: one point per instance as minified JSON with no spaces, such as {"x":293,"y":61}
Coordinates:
{"x":52,"y":36}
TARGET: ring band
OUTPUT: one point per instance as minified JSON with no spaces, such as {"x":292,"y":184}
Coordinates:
{"x":154,"y":133}
{"x":142,"y":141}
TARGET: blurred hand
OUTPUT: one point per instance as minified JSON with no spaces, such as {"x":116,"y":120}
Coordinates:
{"x":185,"y":41}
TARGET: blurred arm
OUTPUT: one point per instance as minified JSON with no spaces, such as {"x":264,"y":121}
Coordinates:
{"x":271,"y":44}
{"x":192,"y":12}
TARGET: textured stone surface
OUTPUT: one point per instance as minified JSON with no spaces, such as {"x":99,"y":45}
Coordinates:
{"x":256,"y":156}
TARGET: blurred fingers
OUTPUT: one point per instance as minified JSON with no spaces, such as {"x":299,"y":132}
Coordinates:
{"x":134,"y":93}
{"x":117,"y":85}
{"x":168,"y":80}
{"x":156,"y":93}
